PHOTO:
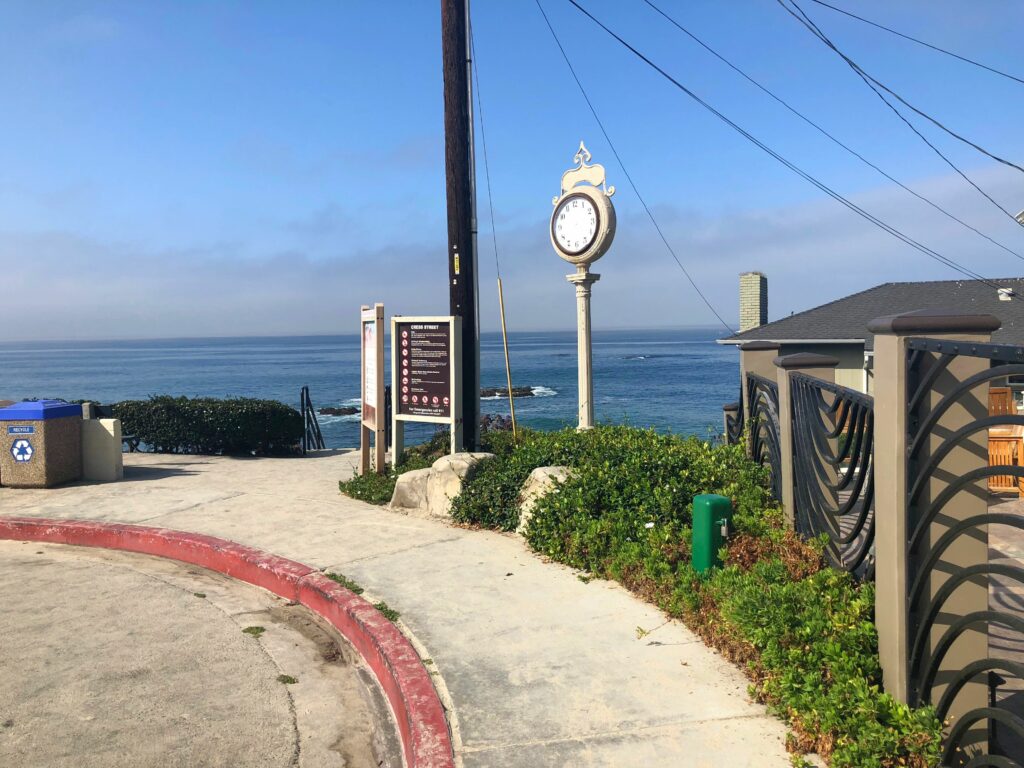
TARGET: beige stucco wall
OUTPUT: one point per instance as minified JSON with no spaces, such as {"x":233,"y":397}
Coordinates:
{"x":850,"y":372}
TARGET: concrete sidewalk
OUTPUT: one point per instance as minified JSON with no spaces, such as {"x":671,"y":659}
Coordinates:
{"x":542,"y":669}
{"x":116,"y":659}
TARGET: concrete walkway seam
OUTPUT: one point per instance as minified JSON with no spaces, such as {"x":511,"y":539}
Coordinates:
{"x":420,"y":716}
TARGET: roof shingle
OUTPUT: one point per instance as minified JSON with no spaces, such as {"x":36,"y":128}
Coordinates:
{"x":847,"y":318}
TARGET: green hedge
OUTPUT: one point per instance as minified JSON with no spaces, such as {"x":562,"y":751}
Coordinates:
{"x":803,"y":632}
{"x":208,"y":425}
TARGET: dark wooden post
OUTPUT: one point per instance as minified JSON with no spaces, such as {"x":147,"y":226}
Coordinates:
{"x":460,"y":184}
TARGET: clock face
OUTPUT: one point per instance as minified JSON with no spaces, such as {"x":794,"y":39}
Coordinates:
{"x":574,"y":225}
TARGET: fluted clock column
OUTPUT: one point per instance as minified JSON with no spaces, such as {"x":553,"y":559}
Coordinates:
{"x":583,"y":279}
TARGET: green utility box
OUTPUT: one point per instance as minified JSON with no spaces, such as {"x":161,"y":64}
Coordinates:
{"x":712,"y":518}
{"x":40,"y":444}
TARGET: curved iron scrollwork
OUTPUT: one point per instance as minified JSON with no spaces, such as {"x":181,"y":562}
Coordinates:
{"x":833,"y":470}
{"x":936,"y":624}
{"x":734,"y":422}
{"x":763,"y":400}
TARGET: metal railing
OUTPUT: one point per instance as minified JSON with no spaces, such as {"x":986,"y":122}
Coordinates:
{"x":312,"y":437}
{"x":763,"y":400}
{"x":833,"y":470}
{"x":734,"y":421}
{"x":947,"y":429}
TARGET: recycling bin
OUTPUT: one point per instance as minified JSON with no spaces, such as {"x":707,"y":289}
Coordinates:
{"x":40,"y":444}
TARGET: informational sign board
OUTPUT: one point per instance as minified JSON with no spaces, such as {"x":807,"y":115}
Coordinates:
{"x":371,"y":368}
{"x":371,"y":338}
{"x":425,"y":381}
{"x":425,"y":375}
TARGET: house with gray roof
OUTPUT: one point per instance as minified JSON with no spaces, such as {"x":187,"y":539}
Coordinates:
{"x":839,"y":328}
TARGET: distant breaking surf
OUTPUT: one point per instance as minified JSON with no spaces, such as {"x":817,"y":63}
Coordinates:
{"x":537,"y":392}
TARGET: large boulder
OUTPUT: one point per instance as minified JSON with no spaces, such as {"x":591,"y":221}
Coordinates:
{"x":446,"y":478}
{"x":429,"y":492}
{"x":541,"y":481}
{"x":411,"y":491}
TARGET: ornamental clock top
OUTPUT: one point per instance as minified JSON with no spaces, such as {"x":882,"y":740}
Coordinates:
{"x":583,"y":173}
{"x":583,"y":222}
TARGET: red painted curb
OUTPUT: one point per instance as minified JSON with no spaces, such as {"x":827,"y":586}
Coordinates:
{"x":422,"y":726}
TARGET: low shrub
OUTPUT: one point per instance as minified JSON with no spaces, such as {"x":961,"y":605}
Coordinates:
{"x":371,"y":487}
{"x":209,"y":425}
{"x":803,"y":632}
{"x":378,"y":489}
{"x":637,"y":474}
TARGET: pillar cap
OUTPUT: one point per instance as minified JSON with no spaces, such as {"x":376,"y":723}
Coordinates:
{"x":756,"y":346}
{"x":806,"y":360}
{"x":731,"y":407}
{"x":935,"y":321}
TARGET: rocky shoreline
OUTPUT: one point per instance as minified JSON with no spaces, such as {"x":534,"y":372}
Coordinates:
{"x":345,"y":410}
{"x":503,"y":392}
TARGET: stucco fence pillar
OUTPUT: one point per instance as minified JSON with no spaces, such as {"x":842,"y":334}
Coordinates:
{"x":892,"y":483}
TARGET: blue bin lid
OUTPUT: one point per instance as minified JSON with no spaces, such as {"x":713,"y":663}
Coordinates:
{"x":40,"y":410}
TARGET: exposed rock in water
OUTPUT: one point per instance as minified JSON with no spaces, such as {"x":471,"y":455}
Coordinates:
{"x":345,"y":410}
{"x":503,"y":392}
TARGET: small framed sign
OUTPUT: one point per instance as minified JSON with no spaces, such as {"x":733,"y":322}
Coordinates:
{"x":425,"y":382}
{"x":371,"y":343}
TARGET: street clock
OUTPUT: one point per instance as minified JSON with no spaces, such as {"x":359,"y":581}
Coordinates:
{"x":583,"y":222}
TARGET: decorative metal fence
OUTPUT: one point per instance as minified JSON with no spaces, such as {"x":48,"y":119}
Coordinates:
{"x":763,"y":400}
{"x":312,"y":437}
{"x":936,"y":479}
{"x":833,"y":470}
{"x":734,"y":422}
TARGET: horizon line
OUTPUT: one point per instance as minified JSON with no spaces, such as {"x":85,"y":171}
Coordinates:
{"x":121,"y":339}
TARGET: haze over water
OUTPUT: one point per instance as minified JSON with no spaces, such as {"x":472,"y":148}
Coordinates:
{"x":673,"y":380}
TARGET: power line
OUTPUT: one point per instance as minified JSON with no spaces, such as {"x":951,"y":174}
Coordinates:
{"x":800,"y":172}
{"x":825,"y":133}
{"x":875,"y":85}
{"x":993,"y":70}
{"x":806,"y":21}
{"x":629,"y":178}
{"x":483,"y":141}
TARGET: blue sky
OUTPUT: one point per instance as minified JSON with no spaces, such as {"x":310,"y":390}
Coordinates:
{"x":172,"y":169}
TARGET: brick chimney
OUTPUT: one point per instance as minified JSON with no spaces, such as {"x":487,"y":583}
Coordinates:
{"x":753,"y":300}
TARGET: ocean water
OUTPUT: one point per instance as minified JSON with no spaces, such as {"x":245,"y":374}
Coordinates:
{"x":673,"y":381}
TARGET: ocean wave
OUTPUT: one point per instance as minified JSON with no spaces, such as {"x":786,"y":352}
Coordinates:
{"x":323,"y":419}
{"x":352,"y":402}
{"x":537,"y":392}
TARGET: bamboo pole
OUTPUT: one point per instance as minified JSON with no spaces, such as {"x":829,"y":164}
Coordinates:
{"x":508,"y":368}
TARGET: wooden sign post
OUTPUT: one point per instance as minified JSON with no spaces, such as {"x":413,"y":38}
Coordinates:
{"x":371,"y":342}
{"x":426,"y":379}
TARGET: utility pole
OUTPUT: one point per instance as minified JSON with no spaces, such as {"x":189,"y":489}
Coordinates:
{"x":460,"y":179}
